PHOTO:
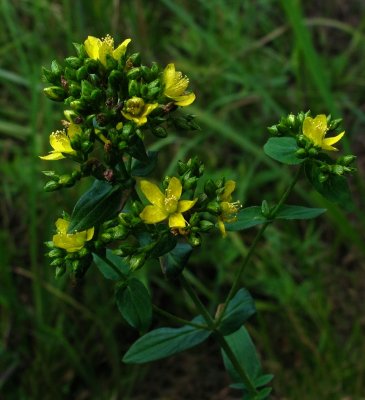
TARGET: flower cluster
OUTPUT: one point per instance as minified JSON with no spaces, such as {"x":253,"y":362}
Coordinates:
{"x":112,"y":101}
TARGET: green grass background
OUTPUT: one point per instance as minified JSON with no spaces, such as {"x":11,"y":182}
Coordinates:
{"x":249,"y":62}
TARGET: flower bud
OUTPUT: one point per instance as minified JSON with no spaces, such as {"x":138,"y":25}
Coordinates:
{"x":55,"y":93}
{"x":302,"y":141}
{"x":210,"y":188}
{"x":66,"y":180}
{"x":137,"y":261}
{"x":56,"y":68}
{"x":106,"y":237}
{"x":214,"y":208}
{"x":134,"y":59}
{"x":51,"y":186}
{"x":91,"y":66}
{"x":337,"y":169}
{"x":96,"y":96}
{"x":115,"y":79}
{"x":82,"y":73}
{"x":301,"y":153}
{"x":80,"y":50}
{"x":195,"y":239}
{"x":60,"y":271}
{"x":74,"y":90}
{"x":133,"y":88}
{"x":159,"y":132}
{"x":73,"y":62}
{"x":57,"y":262}
{"x":312,"y":152}
{"x":56,"y":252}
{"x":134,"y":73}
{"x":206,"y":226}
{"x":322,"y":177}
{"x":346,"y":160}
{"x":265,"y":209}
{"x":50,"y":77}
{"x":146,"y":73}
{"x":273,"y":130}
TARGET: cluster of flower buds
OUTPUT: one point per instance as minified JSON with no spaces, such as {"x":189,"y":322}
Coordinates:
{"x":114,"y":100}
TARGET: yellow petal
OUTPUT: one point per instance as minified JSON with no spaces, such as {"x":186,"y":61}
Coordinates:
{"x":60,"y":142}
{"x":90,"y":234}
{"x":153,"y":214}
{"x":62,"y":225}
{"x":185,"y":205}
{"x":53,"y":155}
{"x":71,"y":243}
{"x":73,"y":130}
{"x":315,"y":128}
{"x":104,"y":50}
{"x":177,"y":220}
{"x":121,"y":49}
{"x":148,"y":108}
{"x":152,"y":193}
{"x":221,"y":227}
{"x":185,"y":100}
{"x":229,"y":187}
{"x":168,"y":75}
{"x":174,"y":189}
{"x":92,"y":45}
{"x":328,"y":142}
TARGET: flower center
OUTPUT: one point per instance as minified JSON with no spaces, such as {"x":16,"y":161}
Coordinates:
{"x":109,"y":41}
{"x":135,"y":106}
{"x":170,"y":204}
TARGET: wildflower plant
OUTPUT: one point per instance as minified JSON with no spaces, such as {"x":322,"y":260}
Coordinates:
{"x":113,"y":103}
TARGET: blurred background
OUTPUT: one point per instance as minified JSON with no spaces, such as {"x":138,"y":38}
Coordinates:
{"x":249,"y":62}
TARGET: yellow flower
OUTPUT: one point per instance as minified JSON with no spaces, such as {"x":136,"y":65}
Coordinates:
{"x":71,"y":242}
{"x":61,"y":143}
{"x":165,"y":206}
{"x":176,"y":85}
{"x":98,"y":49}
{"x":137,"y":110}
{"x":316,"y":128}
{"x":228,"y":209}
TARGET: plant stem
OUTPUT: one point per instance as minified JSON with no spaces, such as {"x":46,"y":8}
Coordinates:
{"x":217,"y":334}
{"x":252,"y":248}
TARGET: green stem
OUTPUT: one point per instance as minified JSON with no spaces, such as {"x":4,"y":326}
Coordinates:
{"x":252,"y":248}
{"x":217,"y":335}
{"x":174,"y":318}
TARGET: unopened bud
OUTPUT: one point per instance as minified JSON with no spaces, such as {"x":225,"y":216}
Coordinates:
{"x":273,"y":130}
{"x":210,"y":188}
{"x":56,"y":252}
{"x":66,"y":180}
{"x":137,"y":261}
{"x":55,"y":93}
{"x":301,"y":153}
{"x":206,"y":226}
{"x":60,"y":271}
{"x":57,"y":262}
{"x":195,"y":239}
{"x":134,"y":73}
{"x":265,"y":208}
{"x":214,"y":208}
{"x":159,"y":132}
{"x":51,"y":186}
{"x":73,"y":62}
{"x":312,"y":152}
{"x":82,"y":73}
{"x":346,"y":160}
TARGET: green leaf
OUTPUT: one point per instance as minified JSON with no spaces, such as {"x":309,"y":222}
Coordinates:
{"x":164,"y":342}
{"x":99,"y":203}
{"x":111,"y":266}
{"x":283,"y":149}
{"x":241,"y":344}
{"x":298,"y":212}
{"x":247,"y":218}
{"x":174,"y":261}
{"x":134,"y":303}
{"x":144,"y":168}
{"x":239,"y":310}
{"x":165,"y":243}
{"x":334,"y":189}
{"x":137,"y":150}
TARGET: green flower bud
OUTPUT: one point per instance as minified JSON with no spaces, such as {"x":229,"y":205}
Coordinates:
{"x":51,"y":174}
{"x":96,"y":96}
{"x":124,"y":250}
{"x":50,"y":77}
{"x":87,"y":146}
{"x":134,"y":73}
{"x":56,"y":252}
{"x":265,"y":209}
{"x":335,"y":124}
{"x":137,"y":261}
{"x":106,"y":237}
{"x":76,"y":265}
{"x":127,"y":130}
{"x":214,"y":208}
{"x":82,"y":73}
{"x":134,"y":59}
{"x":57,"y":262}
{"x":122,"y":145}
{"x":83,"y":252}
{"x":322,"y":177}
{"x":291,"y":120}
{"x":346,"y":160}
{"x":78,"y":105}
{"x":66,"y":180}
{"x":91,"y":65}
{"x":195,"y":239}
{"x":80,"y":50}
{"x":302,"y":140}
{"x":60,"y":271}
{"x":115,"y":79}
{"x":273,"y":130}
{"x":190,"y":183}
{"x":133,"y":88}
{"x":76,"y":174}
{"x":55,"y":93}
{"x":49,"y":244}
{"x":159,"y":132}
{"x":337,"y":169}
{"x":206,"y":226}
{"x":301,"y":153}
{"x":210,"y":188}
{"x":312,"y":152}
{"x":70,"y":74}
{"x":111,"y":63}
{"x":155,"y":69}
{"x":73,"y":62}
{"x":51,"y":186}
{"x":86,"y":88}
{"x":74,"y":90}
{"x":56,"y":68}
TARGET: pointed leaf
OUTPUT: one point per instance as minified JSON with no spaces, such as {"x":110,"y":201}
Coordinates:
{"x":334,"y":189}
{"x":134,"y":303}
{"x":283,"y":149}
{"x":239,"y":310}
{"x":298,"y":212}
{"x":99,"y":203}
{"x":144,"y":168}
{"x":247,"y":218}
{"x":164,"y":342}
{"x":174,"y":261}
{"x":242,"y":346}
{"x":111,"y":266}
